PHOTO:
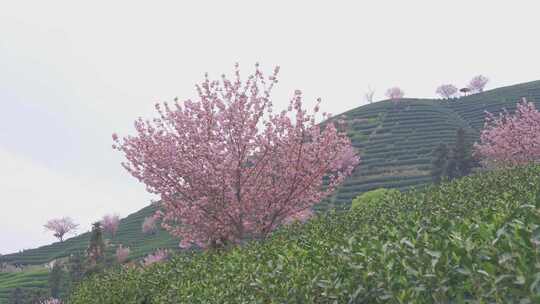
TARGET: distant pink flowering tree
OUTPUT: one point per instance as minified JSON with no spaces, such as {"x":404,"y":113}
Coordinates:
{"x":61,"y":227}
{"x":149,"y":225}
{"x":122,"y":254}
{"x":478,"y":83}
{"x":511,"y":139}
{"x":227,"y":167}
{"x":110,"y":223}
{"x":51,"y":301}
{"x":447,"y":90}
{"x":158,"y":256}
{"x":395,"y":93}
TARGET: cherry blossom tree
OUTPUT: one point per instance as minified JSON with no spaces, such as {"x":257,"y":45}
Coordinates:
{"x":447,"y":90}
{"x":511,"y":139}
{"x":226,"y":167}
{"x":61,"y":227}
{"x":395,"y":93}
{"x":477,"y":84}
{"x":110,"y":223}
{"x":122,"y":254}
{"x":149,"y":225}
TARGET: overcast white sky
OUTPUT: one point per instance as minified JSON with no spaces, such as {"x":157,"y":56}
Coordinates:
{"x":73,"y":72}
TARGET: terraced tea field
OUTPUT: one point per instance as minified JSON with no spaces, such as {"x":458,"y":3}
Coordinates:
{"x":395,"y":142}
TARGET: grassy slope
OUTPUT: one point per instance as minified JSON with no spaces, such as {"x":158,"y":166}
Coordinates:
{"x":129,"y":234}
{"x":27,"y":279}
{"x":395,"y":143}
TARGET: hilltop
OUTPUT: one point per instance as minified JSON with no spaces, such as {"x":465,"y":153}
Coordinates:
{"x":395,"y":141}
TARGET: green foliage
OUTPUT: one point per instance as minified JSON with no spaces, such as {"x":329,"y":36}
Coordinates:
{"x":474,"y":240}
{"x":95,"y":253}
{"x":27,"y":281}
{"x":372,"y":197}
{"x":58,"y":281}
{"x":21,"y":295}
{"x":404,"y":138}
{"x":439,"y":163}
{"x":454,"y":163}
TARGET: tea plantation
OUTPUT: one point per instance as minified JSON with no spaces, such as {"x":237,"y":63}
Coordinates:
{"x":475,"y":240}
{"x":129,"y":234}
{"x":395,"y":142}
{"x":26,"y":280}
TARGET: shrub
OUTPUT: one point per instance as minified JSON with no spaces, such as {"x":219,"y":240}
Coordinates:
{"x":372,"y":197}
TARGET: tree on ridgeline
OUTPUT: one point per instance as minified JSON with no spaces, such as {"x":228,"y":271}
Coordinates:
{"x":465,"y":91}
{"x":368,"y":96}
{"x":61,"y":227}
{"x":477,"y":83}
{"x":510,"y":139}
{"x":447,"y":90}
{"x":110,"y":224}
{"x":395,"y":93}
{"x":227,"y":168}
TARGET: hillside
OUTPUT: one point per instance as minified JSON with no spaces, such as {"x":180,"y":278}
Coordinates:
{"x":395,"y":141}
{"x":129,"y":234}
{"x":474,"y":240}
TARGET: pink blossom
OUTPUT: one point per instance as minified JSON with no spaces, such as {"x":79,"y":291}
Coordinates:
{"x":395,"y":93}
{"x":51,"y":301}
{"x":447,"y":90}
{"x":478,"y":83}
{"x":122,"y":254}
{"x":226,"y":166}
{"x":158,"y":256}
{"x":61,"y":226}
{"x":110,"y":223}
{"x":149,"y":225}
{"x":511,"y":139}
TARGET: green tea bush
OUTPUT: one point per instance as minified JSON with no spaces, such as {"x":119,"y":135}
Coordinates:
{"x":372,"y":197}
{"x":475,"y":240}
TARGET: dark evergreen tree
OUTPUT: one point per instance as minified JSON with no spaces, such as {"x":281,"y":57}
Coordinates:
{"x":439,"y":163}
{"x":16,"y":296}
{"x":27,"y":295}
{"x":96,"y":250}
{"x":75,"y":268}
{"x":58,"y":281}
{"x":454,"y":163}
{"x":462,"y":154}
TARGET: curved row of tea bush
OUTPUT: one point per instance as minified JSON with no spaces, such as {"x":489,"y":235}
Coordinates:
{"x":474,"y":240}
